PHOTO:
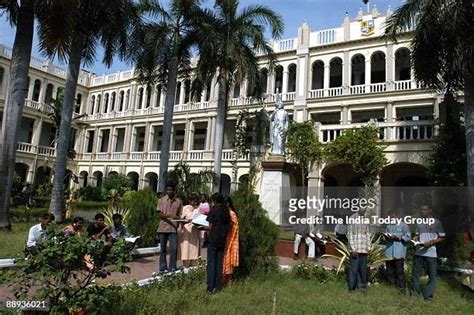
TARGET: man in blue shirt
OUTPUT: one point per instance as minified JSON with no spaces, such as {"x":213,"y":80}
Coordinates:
{"x":398,"y":235}
{"x":429,"y":235}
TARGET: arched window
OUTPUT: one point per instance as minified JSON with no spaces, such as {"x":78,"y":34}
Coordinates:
{"x":278,"y":78}
{"x":121,"y":101}
{"x":263,"y":80}
{"x":148,"y":97}
{"x":91,"y":110}
{"x":158,"y":95}
{"x":127,"y":100}
{"x":208,"y":92}
{"x":97,"y":107}
{"x":2,"y":72}
{"x":187,"y":91}
{"x":317,"y":75}
{"x":140,"y":98}
{"x":36,"y":90}
{"x":378,"y":73}
{"x":236,"y":90}
{"x":335,"y":72}
{"x":49,"y":93}
{"x":112,"y":102}
{"x":358,"y":70}
{"x":402,"y":65}
{"x":178,"y":93}
{"x":78,"y":103}
{"x":106,"y":103}
{"x":292,"y":78}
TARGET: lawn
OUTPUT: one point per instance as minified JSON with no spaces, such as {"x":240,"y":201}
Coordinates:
{"x":12,"y":243}
{"x":284,"y":294}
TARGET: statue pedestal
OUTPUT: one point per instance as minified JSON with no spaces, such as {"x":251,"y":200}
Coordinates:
{"x":275,"y":187}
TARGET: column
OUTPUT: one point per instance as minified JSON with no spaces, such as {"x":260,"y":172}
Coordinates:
{"x":270,"y":82}
{"x":128,"y":139}
{"x":146,"y":141}
{"x":327,"y":72}
{"x":390,"y":63}
{"x":389,"y":117}
{"x":346,"y":68}
{"x":42,"y":91}
{"x":284,"y":88}
{"x":368,"y":69}
{"x":37,"y":127}
{"x":172,"y":138}
{"x":99,"y":140}
{"x":162,"y":99}
{"x":113,"y":140}
{"x":144,"y":96}
{"x":213,"y":133}
{"x":30,"y":88}
{"x":182,"y":91}
{"x":208,"y":134}
{"x":151,"y":137}
{"x":187,"y":134}
{"x":131,"y":100}
{"x":344,"y":115}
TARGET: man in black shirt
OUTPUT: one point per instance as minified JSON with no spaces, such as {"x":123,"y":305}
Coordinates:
{"x":97,"y":230}
{"x":219,"y":223}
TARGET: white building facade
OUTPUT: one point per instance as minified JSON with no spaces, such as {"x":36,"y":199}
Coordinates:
{"x":339,"y":78}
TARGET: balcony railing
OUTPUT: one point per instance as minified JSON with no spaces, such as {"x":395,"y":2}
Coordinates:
{"x":29,"y":148}
{"x":393,"y":131}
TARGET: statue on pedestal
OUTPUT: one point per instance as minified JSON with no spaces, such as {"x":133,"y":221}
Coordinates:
{"x":278,"y":127}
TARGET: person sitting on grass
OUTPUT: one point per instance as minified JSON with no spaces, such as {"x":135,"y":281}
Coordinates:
{"x":35,"y":234}
{"x":117,"y":229}
{"x":98,"y":230}
{"x":76,"y":228}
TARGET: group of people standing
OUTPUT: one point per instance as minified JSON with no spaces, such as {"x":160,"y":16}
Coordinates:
{"x":424,"y":239}
{"x":182,"y":239}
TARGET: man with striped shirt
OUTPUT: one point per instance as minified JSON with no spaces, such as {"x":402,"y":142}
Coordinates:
{"x":359,"y":246}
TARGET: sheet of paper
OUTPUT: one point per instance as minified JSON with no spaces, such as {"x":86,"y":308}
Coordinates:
{"x":200,"y":219}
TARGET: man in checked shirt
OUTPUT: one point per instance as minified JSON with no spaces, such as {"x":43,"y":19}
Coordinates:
{"x":359,"y":246}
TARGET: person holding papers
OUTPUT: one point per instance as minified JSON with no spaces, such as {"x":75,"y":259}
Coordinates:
{"x":429,"y":235}
{"x":359,"y":245}
{"x":219,"y":224}
{"x":189,"y":234}
{"x":398,"y":235}
{"x":169,"y":209}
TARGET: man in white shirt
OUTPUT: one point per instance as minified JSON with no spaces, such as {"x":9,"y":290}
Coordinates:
{"x":36,"y":232}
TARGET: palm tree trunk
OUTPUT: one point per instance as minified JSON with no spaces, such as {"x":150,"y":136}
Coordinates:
{"x":15,"y":99}
{"x":469,"y":125}
{"x":219,"y":134}
{"x":168,"y":123}
{"x":62,"y":145}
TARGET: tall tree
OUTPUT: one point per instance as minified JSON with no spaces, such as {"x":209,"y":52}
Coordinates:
{"x":442,"y":52}
{"x":20,"y":14}
{"x":227,"y":46}
{"x":160,"y":50}
{"x":90,"y":24}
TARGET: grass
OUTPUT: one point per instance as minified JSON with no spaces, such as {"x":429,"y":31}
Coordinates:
{"x":285,"y":294}
{"x":13,"y":242}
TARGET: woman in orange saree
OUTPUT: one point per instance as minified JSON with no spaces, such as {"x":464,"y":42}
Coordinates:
{"x":231,"y":253}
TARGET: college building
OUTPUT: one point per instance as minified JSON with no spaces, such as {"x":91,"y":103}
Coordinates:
{"x":339,"y":78}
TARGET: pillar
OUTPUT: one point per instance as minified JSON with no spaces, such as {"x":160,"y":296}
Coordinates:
{"x":368,"y":69}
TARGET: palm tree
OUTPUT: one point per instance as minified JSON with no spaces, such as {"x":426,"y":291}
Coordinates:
{"x":87,"y":24}
{"x":442,"y":52}
{"x":22,"y":16}
{"x":227,"y":46}
{"x":161,"y":50}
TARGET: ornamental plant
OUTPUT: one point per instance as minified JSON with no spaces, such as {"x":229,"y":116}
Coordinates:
{"x":64,"y":270}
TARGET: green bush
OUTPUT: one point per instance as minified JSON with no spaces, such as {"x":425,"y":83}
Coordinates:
{"x":307,"y":271}
{"x":257,"y":233}
{"x":143,"y":219}
{"x":119,"y":182}
{"x":91,"y":205}
{"x":61,"y":276}
{"x":89,"y":193}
